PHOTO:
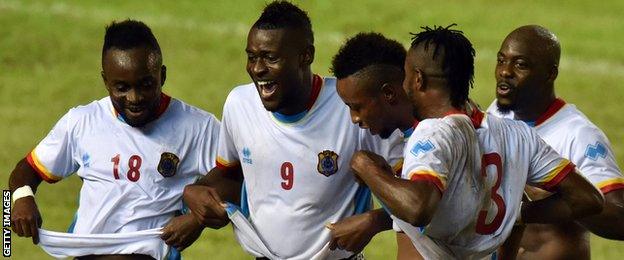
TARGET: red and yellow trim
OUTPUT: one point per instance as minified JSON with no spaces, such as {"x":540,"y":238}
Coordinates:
{"x":224,"y":164}
{"x":430,"y":176}
{"x":43,"y":172}
{"x":398,"y":167}
{"x":555,"y":176}
{"x":610,"y":185}
{"x":550,"y":111}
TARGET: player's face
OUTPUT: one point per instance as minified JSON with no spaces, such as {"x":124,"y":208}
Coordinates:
{"x":274,"y":63}
{"x":411,"y":83}
{"x":368,"y":110}
{"x":520,"y":74}
{"x":134,"y":79}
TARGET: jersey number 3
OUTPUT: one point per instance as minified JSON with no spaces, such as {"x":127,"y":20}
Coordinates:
{"x":134,"y":164}
{"x":484,"y":228}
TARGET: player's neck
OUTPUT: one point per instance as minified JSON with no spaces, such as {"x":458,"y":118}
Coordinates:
{"x":531,"y":111}
{"x":300,"y":104}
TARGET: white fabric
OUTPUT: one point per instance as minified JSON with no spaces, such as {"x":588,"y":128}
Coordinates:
{"x":574,"y":136}
{"x":455,"y":160}
{"x":21,"y":192}
{"x":88,"y":139}
{"x":292,"y":221}
{"x":63,"y":245}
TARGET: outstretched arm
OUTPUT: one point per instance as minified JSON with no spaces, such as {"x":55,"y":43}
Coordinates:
{"x":574,"y":198}
{"x":206,"y":197}
{"x":25,"y":218}
{"x":610,"y":222}
{"x":413,"y":202}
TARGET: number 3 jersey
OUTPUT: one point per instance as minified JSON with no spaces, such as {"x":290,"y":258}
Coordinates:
{"x":480,"y":167}
{"x":132,"y":177}
{"x":296,"y":171}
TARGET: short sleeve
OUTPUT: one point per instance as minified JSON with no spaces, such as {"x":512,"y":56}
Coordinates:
{"x":547,"y":168}
{"x":593,"y":156}
{"x":227,"y":155}
{"x":427,"y":156}
{"x":53,"y":157}
{"x":390,"y":148}
{"x":208,"y":145}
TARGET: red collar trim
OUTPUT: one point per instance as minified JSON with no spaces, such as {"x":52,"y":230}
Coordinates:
{"x":164,"y":104}
{"x":552,"y":110}
{"x":162,"y":107}
{"x":476,"y":117}
{"x":317,"y":82}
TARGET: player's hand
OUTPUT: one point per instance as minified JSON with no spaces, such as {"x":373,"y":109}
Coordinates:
{"x":26,"y":219}
{"x":206,"y":205}
{"x":352,"y":233}
{"x":363,"y":161}
{"x":182,"y":231}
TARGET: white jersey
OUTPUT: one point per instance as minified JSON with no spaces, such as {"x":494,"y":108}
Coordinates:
{"x":133,"y":177}
{"x":481,"y":174}
{"x":296,"y":171}
{"x":64,"y":245}
{"x":572,"y":135}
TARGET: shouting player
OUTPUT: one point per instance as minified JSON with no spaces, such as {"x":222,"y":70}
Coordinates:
{"x":463,"y":177}
{"x":134,"y":150}
{"x":527,"y":66}
{"x":290,"y":136}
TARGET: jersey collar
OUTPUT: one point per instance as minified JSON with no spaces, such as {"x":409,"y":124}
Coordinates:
{"x":317,"y":83}
{"x":162,"y":107}
{"x":476,"y":116}
{"x":550,"y":111}
{"x":407,"y":133}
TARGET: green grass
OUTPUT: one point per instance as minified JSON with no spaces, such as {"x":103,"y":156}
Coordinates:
{"x":50,"y":61}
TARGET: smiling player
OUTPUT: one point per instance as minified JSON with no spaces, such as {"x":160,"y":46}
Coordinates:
{"x":134,"y":150}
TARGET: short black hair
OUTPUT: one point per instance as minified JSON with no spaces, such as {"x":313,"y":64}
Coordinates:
{"x":129,"y":34}
{"x":458,"y":62}
{"x":366,"y":50}
{"x":283,"y":14}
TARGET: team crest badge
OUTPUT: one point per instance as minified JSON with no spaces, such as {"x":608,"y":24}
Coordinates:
{"x":168,"y":164}
{"x":328,"y":162}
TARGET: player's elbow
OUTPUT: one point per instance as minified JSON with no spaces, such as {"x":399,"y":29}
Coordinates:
{"x":417,"y":213}
{"x":588,"y":203}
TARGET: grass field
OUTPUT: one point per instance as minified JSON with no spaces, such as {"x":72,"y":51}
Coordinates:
{"x":50,"y":61}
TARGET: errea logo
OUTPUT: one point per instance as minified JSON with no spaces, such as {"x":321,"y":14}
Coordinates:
{"x":247,"y":155}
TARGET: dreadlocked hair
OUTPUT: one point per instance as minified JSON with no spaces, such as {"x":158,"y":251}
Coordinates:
{"x":458,"y":60}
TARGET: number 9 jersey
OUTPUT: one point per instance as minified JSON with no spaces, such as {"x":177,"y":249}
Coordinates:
{"x":297,"y":169}
{"x":132,"y":177}
{"x":480,"y":168}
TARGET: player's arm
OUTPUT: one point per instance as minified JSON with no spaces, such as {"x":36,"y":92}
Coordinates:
{"x":355,"y":232}
{"x":206,"y":197}
{"x":412,"y":201}
{"x":610,"y":222}
{"x":25,"y":218}
{"x":574,"y":198}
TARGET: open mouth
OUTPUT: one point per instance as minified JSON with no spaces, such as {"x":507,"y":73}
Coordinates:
{"x":503,"y":89}
{"x":267,"y":88}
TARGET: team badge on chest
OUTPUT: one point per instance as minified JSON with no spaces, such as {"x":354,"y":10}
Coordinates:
{"x":328,"y":163}
{"x":168,"y":164}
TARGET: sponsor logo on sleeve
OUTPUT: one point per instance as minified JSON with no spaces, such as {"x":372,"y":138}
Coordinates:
{"x":423,"y":147}
{"x":596,"y":151}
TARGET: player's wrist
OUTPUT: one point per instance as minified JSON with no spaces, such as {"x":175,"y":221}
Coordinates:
{"x":22,"y":192}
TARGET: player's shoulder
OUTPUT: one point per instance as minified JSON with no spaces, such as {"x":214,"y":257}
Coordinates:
{"x":445,"y":127}
{"x":571,"y":122}
{"x":184,"y":111}
{"x":94,"y":109}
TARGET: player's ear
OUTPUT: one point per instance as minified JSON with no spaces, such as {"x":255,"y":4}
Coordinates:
{"x":554,"y":72}
{"x":419,"y":79}
{"x":163,"y":75}
{"x":389,"y":93}
{"x":308,"y":55}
